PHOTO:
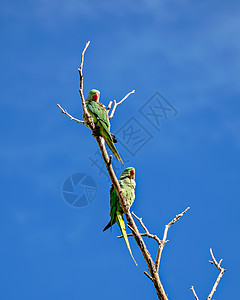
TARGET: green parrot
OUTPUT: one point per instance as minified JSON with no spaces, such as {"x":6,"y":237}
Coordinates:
{"x":102,"y":126}
{"x":127,"y":184}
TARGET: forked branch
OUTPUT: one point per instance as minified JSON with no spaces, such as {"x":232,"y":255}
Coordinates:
{"x":116,"y":104}
{"x":161,"y":243}
{"x":220,"y":269}
{"x":147,"y":233}
{"x":164,"y":240}
{"x":85,"y":112}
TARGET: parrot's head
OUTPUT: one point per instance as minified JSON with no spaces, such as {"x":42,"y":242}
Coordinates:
{"x":93,"y":95}
{"x":128,"y":173}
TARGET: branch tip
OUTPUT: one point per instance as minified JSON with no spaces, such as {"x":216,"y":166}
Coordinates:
{"x":194,"y":293}
{"x":164,"y":240}
{"x":117,"y":103}
{"x":64,"y":111}
{"x":221,"y":270}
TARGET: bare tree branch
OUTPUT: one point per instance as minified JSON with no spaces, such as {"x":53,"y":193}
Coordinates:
{"x":148,"y":276}
{"x":194,"y":293}
{"x":85,"y":112}
{"x":64,"y":111}
{"x":147,"y":233}
{"x":155,"y":237}
{"x":141,"y":223}
{"x":109,"y":106}
{"x":117,"y":103}
{"x":164,"y":240}
{"x":81,"y":65}
{"x":151,"y":266}
{"x":222,"y":270}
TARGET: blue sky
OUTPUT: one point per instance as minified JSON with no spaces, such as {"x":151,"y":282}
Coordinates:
{"x":186,"y":50}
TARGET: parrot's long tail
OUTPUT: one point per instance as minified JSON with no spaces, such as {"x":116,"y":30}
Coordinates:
{"x":109,"y":224}
{"x":121,"y":225}
{"x":110,"y":142}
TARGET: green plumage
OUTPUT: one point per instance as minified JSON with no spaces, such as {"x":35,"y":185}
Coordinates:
{"x":101,"y":121}
{"x":127,"y":184}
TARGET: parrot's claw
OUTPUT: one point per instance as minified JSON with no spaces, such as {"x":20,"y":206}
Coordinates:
{"x":95,"y":133}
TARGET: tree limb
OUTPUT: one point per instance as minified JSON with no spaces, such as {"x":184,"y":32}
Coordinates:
{"x":151,"y":266}
{"x":64,"y":111}
{"x":85,"y":112}
{"x":164,"y":240}
{"x":148,"y":276}
{"x":151,"y":236}
{"x":194,"y":293}
{"x":147,"y":233}
{"x":90,"y":122}
{"x":222,"y":270}
{"x":117,"y":103}
{"x":109,"y":107}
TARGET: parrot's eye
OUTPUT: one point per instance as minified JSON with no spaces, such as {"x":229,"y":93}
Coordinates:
{"x":95,"y":97}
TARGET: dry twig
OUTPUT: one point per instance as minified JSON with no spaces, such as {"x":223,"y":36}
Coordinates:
{"x":147,"y":233}
{"x":194,"y":293}
{"x":64,"y":111}
{"x":148,"y":276}
{"x":155,"y":237}
{"x":164,"y":240}
{"x":222,"y":270}
{"x":117,"y":103}
{"x":85,"y":112}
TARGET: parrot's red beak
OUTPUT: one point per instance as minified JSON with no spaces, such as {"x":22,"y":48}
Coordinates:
{"x":95,"y":97}
{"x":132,"y":174}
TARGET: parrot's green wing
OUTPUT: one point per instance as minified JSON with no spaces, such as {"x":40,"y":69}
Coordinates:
{"x":114,"y":207}
{"x":98,"y":112}
{"x":116,"y":215}
{"x":127,"y":184}
{"x":102,"y":125}
{"x":114,"y":204}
